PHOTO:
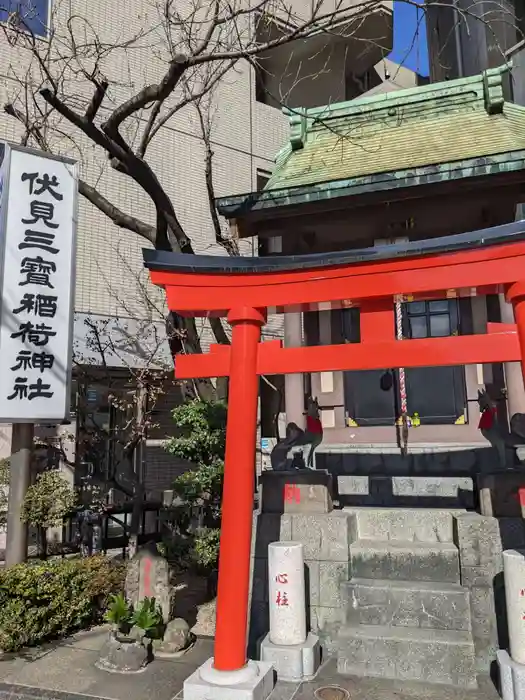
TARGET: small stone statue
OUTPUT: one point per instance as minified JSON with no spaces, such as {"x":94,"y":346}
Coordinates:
{"x":495,"y":432}
{"x":89,"y":533}
{"x":284,"y":455}
{"x":177,"y":639}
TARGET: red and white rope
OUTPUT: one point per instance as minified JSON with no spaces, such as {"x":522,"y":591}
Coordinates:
{"x":402,"y":377}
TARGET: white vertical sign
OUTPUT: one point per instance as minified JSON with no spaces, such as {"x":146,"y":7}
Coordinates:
{"x":39,"y":211}
{"x":287,"y":593}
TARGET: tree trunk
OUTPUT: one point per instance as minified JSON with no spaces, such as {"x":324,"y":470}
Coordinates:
{"x":136,"y":519}
{"x":42,"y":542}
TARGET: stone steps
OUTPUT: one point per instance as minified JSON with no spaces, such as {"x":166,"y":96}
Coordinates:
{"x":420,"y":604}
{"x":406,"y":615}
{"x":406,"y":491}
{"x":407,"y":653}
{"x":402,"y":560}
{"x":407,"y":524}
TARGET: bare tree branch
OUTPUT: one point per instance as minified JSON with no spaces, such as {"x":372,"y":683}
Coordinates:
{"x":151,"y":93}
{"x":131,"y":223}
{"x":96,"y":101}
{"x":203,"y":114}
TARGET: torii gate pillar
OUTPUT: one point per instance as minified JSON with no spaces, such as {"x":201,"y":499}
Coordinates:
{"x":238,"y":488}
{"x":516,"y":295}
{"x":230,"y":669}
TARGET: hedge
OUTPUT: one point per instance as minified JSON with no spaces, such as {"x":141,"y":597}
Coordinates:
{"x":48,"y":600}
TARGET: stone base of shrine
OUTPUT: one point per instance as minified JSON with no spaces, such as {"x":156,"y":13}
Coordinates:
{"x":512,"y":677}
{"x":296,"y":491}
{"x":255,"y":681}
{"x":296,"y":662}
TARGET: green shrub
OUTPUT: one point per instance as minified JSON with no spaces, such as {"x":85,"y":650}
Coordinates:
{"x":206,"y":547}
{"x":48,"y":500}
{"x":201,"y":487}
{"x":47,"y":600}
{"x":201,"y":441}
{"x":176,"y":549}
{"x":202,"y":432}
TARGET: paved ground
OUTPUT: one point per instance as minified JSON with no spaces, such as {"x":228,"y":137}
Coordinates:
{"x":66,"y":671}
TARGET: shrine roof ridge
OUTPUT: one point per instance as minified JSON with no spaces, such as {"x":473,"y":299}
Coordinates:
{"x":415,"y":137}
{"x":215,"y":264}
{"x":486,"y":89}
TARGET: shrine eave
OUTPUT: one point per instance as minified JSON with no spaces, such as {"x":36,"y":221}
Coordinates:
{"x":163,"y":261}
{"x":243,"y":206}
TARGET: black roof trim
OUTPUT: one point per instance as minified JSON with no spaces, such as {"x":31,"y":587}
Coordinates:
{"x":183,"y":262}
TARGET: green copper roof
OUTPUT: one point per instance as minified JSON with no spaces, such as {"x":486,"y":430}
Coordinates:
{"x":428,"y":133}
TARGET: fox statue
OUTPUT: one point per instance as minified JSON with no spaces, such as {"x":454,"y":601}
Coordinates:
{"x":312,"y":437}
{"x":497,"y":434}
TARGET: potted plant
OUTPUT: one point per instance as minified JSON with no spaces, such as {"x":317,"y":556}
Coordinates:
{"x":128,"y":647}
{"x":147,"y":620}
{"x":119,"y":615}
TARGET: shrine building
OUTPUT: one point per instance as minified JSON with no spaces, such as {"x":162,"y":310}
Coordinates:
{"x":391,"y":254}
{"x":409,"y":165}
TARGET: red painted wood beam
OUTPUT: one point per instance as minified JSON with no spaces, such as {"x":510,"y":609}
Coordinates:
{"x":377,"y":322}
{"x":492,"y":267}
{"x":502,"y":328}
{"x":425,"y":352}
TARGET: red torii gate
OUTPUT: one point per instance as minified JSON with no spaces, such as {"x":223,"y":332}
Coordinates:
{"x":244,"y":289}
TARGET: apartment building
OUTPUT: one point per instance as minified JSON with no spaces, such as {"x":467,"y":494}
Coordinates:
{"x":247,"y":128}
{"x":465,"y":38}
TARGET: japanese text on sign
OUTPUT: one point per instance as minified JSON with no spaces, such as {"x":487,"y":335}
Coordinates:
{"x":35,"y":338}
{"x":281,"y":598}
{"x":292,"y":493}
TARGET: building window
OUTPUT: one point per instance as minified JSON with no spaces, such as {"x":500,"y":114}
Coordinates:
{"x":357,"y":85}
{"x":27,"y":15}
{"x":266,"y":30}
{"x":430,"y":319}
{"x":261,"y":89}
{"x":262,"y":179}
{"x":436,"y":394}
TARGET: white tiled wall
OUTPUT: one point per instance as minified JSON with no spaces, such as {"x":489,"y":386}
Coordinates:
{"x":109,"y":260}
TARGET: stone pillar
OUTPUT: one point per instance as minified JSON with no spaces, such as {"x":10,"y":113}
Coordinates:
{"x":293,"y":652}
{"x":293,"y":338}
{"x":286,"y":593}
{"x":478,"y":305}
{"x":514,"y":572}
{"x":19,"y":481}
{"x":294,"y":383}
{"x":513,"y":374}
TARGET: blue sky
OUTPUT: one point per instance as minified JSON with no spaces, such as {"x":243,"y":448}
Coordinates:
{"x":410,"y":38}
{"x":33,"y":12}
